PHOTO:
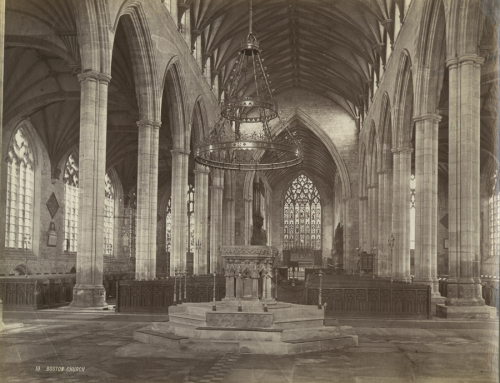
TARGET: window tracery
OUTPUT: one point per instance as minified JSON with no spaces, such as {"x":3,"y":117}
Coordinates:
{"x":109,"y":215}
{"x":302,"y":215}
{"x":20,"y":181}
{"x":70,"y":179}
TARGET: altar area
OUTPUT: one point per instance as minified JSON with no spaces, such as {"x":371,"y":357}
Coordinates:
{"x":248,"y":319}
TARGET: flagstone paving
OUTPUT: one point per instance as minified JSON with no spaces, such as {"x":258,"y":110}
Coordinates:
{"x":94,"y":348}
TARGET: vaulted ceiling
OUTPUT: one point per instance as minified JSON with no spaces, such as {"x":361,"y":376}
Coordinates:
{"x":324,"y":46}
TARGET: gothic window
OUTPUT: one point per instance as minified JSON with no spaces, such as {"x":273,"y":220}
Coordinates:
{"x":109,"y":215}
{"x":412,"y":211}
{"x":168,"y":226}
{"x":302,"y":215}
{"x":495,"y":225}
{"x":20,"y":180}
{"x":190,"y":222}
{"x":132,"y":221}
{"x":190,"y":212}
{"x":70,"y":179}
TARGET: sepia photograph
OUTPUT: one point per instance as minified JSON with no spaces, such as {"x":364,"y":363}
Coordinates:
{"x":249,"y":191}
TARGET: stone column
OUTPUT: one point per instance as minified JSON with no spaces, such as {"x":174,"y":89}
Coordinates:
{"x":464,"y":180}
{"x":147,"y":200}
{"x":89,"y":291}
{"x":248,"y":220}
{"x":373,"y":219}
{"x":426,"y":200}
{"x":401,"y":215}
{"x":216,"y":220}
{"x":229,"y":208}
{"x":201,"y":219}
{"x":2,"y":56}
{"x":180,"y":159}
{"x":384,"y":222}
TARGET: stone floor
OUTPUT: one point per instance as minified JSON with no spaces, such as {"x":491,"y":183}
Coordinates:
{"x":102,"y":344}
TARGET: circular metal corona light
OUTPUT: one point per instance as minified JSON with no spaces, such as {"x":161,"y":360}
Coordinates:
{"x":242,"y":139}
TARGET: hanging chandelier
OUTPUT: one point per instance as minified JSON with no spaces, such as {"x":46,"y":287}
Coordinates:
{"x":241,"y":139}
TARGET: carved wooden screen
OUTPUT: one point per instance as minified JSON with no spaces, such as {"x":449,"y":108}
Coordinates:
{"x":302,"y":216}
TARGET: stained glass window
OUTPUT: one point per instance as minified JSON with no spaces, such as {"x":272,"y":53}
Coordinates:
{"x":302,"y":215}
{"x":190,"y":211}
{"x":20,"y":180}
{"x":109,"y":215}
{"x":190,"y":222}
{"x":133,"y":221}
{"x":70,"y":179}
{"x":168,"y":226}
{"x":412,"y":211}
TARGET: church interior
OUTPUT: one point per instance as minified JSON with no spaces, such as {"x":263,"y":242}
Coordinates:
{"x":275,"y":152}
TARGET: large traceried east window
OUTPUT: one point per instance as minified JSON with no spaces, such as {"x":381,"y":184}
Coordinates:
{"x":109,"y":215}
{"x":70,"y":179}
{"x":20,"y":180}
{"x":302,"y":215}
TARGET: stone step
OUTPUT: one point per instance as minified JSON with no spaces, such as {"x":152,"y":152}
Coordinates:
{"x":297,"y":312}
{"x":184,"y":318}
{"x":244,"y":346}
{"x":298,"y":322}
{"x":320,"y":332}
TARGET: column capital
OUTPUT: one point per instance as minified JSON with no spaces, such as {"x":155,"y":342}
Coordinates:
{"x":428,"y":116}
{"x":94,"y":75}
{"x":217,"y":187}
{"x":144,"y":123}
{"x":372,"y":186}
{"x":248,"y":199}
{"x":363,"y":198}
{"x":176,"y":152}
{"x":464,"y":59}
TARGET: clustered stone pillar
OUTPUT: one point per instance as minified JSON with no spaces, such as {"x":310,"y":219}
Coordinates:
{"x":248,"y":220}
{"x":89,"y":291}
{"x":216,"y":219}
{"x":426,"y":203}
{"x":384,"y":222}
{"x":180,"y":159}
{"x":364,"y":223}
{"x":201,"y":219}
{"x":464,"y":180}
{"x":373,"y":221}
{"x":147,"y":200}
{"x":401,"y":214}
{"x":229,"y":208}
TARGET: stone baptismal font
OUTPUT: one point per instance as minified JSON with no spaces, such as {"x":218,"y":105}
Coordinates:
{"x":248,"y":319}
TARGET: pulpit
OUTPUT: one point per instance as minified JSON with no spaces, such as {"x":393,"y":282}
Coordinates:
{"x":248,"y":270}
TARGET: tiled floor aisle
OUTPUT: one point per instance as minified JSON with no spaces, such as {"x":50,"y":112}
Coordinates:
{"x":104,"y":346}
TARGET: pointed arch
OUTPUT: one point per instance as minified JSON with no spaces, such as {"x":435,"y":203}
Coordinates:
{"x":403,"y":103}
{"x":304,"y":118}
{"x":431,"y":51}
{"x":198,"y":119}
{"x":174,"y":88}
{"x":372,"y":153}
{"x":139,"y":39}
{"x":385,"y":134}
{"x":92,"y":24}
